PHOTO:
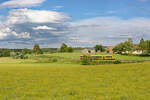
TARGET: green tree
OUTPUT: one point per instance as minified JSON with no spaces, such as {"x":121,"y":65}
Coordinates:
{"x":70,"y":49}
{"x":37,"y":49}
{"x":99,"y":48}
{"x":89,"y":51}
{"x":117,"y":49}
{"x":129,"y":46}
{"x":63,"y":48}
{"x":5,"y":52}
{"x":147,"y":43}
{"x":142,"y":45}
{"x":124,"y":47}
{"x":26,"y":51}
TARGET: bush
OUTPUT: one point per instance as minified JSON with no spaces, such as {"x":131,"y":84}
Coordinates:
{"x":53,"y":52}
{"x":85,"y":62}
{"x":4,"y":53}
{"x":101,"y":62}
{"x":144,"y":55}
{"x":117,"y":62}
{"x":54,"y":60}
{"x":91,"y":62}
{"x":26,"y":51}
{"x":108,"y":51}
{"x":18,"y":55}
{"x":70,"y":49}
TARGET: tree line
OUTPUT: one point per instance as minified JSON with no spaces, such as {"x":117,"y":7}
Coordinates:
{"x":65,"y":48}
{"x":128,"y":47}
{"x":23,"y":53}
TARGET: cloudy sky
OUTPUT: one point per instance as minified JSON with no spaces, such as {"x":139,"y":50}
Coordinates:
{"x":75,"y":22}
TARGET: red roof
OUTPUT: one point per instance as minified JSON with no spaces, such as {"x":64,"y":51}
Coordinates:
{"x":110,"y":48}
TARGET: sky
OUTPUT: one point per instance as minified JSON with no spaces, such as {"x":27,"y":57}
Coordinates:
{"x":78,"y":23}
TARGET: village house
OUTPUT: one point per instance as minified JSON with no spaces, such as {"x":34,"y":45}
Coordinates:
{"x":136,"y":51}
{"x":109,"y":49}
{"x":87,"y":50}
{"x":92,"y":50}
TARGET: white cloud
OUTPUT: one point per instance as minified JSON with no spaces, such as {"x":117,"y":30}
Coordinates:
{"x":4,"y":31}
{"x":38,"y":21}
{"x":43,"y":28}
{"x":21,"y":3}
{"x":25,"y":27}
{"x":36,"y":16}
{"x":111,"y":30}
{"x":24,"y":35}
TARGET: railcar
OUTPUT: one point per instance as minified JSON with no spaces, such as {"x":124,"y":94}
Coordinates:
{"x":97,"y":57}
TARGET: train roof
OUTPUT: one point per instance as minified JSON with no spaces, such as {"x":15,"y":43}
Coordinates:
{"x":98,"y":55}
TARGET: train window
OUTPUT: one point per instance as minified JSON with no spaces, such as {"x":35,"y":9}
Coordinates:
{"x":97,"y":57}
{"x":94,"y":57}
{"x":100,"y":56}
{"x":109,"y":56}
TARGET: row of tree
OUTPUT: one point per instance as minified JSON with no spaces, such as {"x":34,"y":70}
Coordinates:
{"x":22,"y":53}
{"x":128,"y":47}
{"x":144,"y":46}
{"x":65,"y":48}
{"x":99,"y":48}
{"x":5,"y":52}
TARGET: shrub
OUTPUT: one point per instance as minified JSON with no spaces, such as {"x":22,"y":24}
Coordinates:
{"x":70,"y":49}
{"x":85,"y":62}
{"x":4,"y":53}
{"x":101,"y":62}
{"x":54,"y":60}
{"x":117,"y":62}
{"x":18,"y":55}
{"x":108,"y":51}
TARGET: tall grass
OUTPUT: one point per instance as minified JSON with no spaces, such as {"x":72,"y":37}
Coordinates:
{"x":74,"y":82}
{"x":71,"y":58}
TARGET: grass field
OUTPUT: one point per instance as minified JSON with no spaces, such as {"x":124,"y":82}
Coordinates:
{"x":75,"y":57}
{"x":117,"y":56}
{"x":74,"y":82}
{"x":66,"y":58}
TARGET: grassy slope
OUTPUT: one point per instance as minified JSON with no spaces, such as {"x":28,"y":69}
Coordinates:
{"x":74,"y":82}
{"x":117,"y":56}
{"x":73,"y":58}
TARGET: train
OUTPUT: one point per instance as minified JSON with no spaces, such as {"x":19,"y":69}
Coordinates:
{"x":97,"y":57}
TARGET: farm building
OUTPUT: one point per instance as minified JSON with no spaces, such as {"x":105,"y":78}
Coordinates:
{"x":109,"y":48}
{"x":92,"y":50}
{"x":87,"y":50}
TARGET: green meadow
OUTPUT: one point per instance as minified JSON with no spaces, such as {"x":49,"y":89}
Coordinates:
{"x":65,"y":58}
{"x":60,"y":76}
{"x":74,"y":82}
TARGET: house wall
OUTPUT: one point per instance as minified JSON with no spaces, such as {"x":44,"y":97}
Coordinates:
{"x":137,"y":52}
{"x":85,"y":51}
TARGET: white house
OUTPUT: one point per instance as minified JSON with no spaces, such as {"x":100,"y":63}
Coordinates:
{"x":86,"y":50}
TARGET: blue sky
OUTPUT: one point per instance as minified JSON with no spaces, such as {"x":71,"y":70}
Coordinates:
{"x":81,"y":9}
{"x":75,"y":22}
